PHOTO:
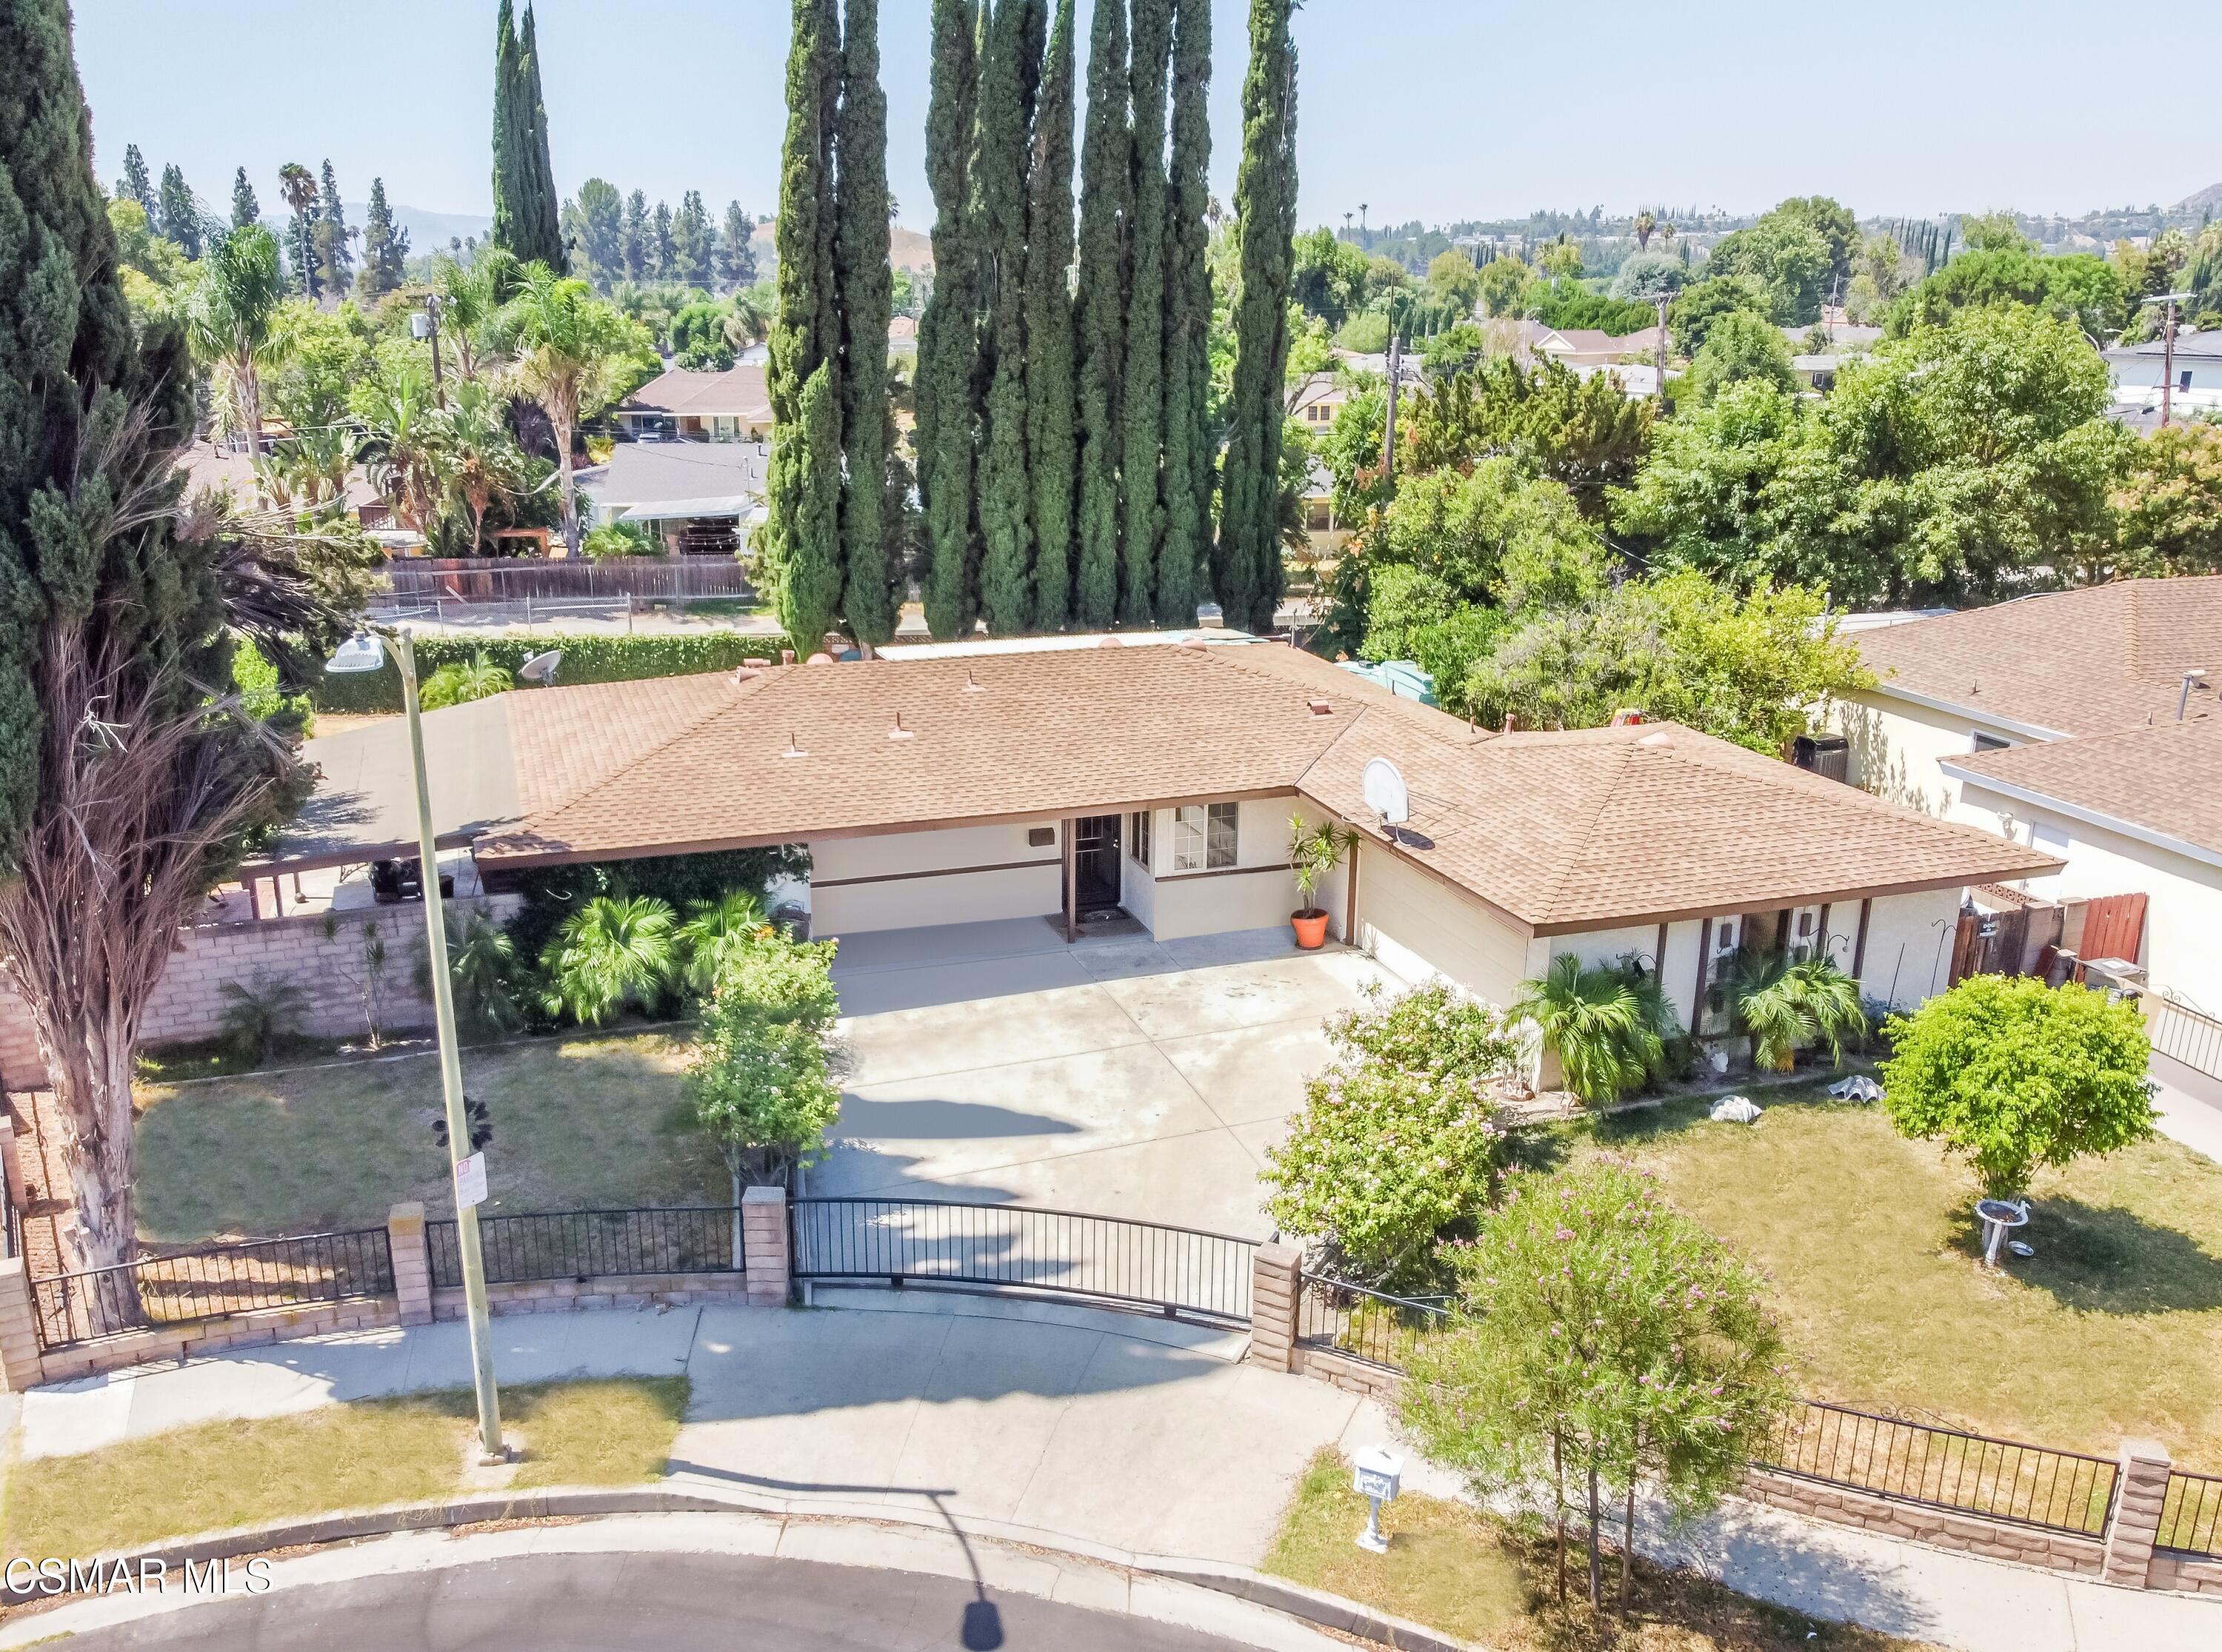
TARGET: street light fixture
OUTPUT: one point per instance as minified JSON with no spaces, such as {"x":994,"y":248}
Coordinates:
{"x":366,"y":652}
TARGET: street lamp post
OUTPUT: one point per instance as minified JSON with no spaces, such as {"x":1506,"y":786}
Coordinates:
{"x":366,"y":653}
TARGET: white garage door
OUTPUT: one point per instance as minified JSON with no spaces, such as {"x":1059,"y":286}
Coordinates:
{"x":1422,"y":928}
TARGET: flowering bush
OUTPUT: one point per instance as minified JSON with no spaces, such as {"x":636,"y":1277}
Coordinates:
{"x":1398,"y":1139}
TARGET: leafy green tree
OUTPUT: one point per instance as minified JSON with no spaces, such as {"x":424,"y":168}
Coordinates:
{"x":693,"y":243}
{"x":1649,"y":277}
{"x":1100,"y":308}
{"x":1582,"y":433}
{"x":233,"y":316}
{"x":2078,"y":287}
{"x":1051,"y":454}
{"x":870,"y":590}
{"x":1398,"y":1141}
{"x":1780,"y":1002}
{"x":737,"y":256}
{"x":1709,"y":495}
{"x":639,"y":254}
{"x":948,"y":333}
{"x":245,"y":208}
{"x":662,"y":244}
{"x":760,"y":1082}
{"x":1329,"y":276}
{"x":2016,"y":1076}
{"x":1701,"y":304}
{"x":1504,"y":283}
{"x":1184,"y":551}
{"x":180,"y":213}
{"x":137,"y":184}
{"x":1739,"y":346}
{"x":385,"y":247}
{"x":1600,"y":1338}
{"x":2167,"y":506}
{"x":1591,"y":1017}
{"x":999,"y":186}
{"x":1246,"y":571}
{"x":1799,"y":253}
{"x":594,"y":228}
{"x":527,"y":217}
{"x":1495,"y":535}
{"x":1453,"y":277}
{"x":616,"y":952}
{"x":140,"y":249}
{"x":699,"y":338}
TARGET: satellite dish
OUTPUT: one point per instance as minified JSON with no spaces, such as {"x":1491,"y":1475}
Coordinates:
{"x":541,"y":668}
{"x":1384,"y":793}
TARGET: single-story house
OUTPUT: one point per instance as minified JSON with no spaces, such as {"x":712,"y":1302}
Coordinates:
{"x":1155,"y":783}
{"x":2085,"y":725}
{"x":729,"y":406}
{"x":2137,"y":370}
{"x":696,"y":495}
{"x":1591,"y":347}
{"x":1319,"y":398}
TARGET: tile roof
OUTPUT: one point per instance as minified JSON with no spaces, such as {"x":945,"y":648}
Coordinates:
{"x":2076,"y":662}
{"x":2165,"y":777}
{"x":1556,"y":830}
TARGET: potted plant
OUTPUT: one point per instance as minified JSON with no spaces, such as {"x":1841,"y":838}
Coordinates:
{"x":1314,"y":852}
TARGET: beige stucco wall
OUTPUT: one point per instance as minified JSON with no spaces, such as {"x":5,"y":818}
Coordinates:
{"x":1419,"y":927}
{"x":1258,"y":893}
{"x":1909,"y":946}
{"x":924,"y":878}
{"x":2182,"y":948}
{"x":1896,"y":747}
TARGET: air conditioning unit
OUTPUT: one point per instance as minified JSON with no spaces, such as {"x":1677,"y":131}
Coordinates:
{"x":1828,"y":755}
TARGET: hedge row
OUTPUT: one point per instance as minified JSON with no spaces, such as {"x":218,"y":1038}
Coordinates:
{"x":588,"y":658}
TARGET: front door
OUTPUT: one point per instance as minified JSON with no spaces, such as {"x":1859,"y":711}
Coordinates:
{"x":1096,"y":862}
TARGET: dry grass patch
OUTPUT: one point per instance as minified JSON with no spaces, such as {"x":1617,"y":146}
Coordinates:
{"x":215,"y":1475}
{"x":2112,"y":1330}
{"x":1461,"y":1571}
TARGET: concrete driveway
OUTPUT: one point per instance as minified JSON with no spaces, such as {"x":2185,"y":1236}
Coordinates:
{"x":1121,"y":1076}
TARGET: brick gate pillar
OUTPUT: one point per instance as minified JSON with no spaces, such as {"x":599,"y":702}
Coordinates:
{"x":763,"y":1246}
{"x":1275,"y":1286}
{"x":2137,"y":1498}
{"x":20,"y":1366}
{"x":413,"y":1263}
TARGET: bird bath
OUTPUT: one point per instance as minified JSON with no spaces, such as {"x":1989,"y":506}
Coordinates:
{"x":1998,"y":1218}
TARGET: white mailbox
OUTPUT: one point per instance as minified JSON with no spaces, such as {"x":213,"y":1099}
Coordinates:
{"x":1379,"y":1470}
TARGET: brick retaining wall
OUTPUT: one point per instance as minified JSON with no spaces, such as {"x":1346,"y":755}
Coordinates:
{"x":189,"y":1002}
{"x":1999,"y":1540}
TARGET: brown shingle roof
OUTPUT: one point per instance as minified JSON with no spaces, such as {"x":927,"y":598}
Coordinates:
{"x":1559,"y":831}
{"x":2166,"y":777}
{"x":737,"y":392}
{"x":2077,"y":662}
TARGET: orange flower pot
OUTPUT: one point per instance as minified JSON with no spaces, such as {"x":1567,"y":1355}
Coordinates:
{"x":1311,"y":930}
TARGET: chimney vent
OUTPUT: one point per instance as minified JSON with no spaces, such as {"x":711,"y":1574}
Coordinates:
{"x":1511,"y":723}
{"x":786,"y":656}
{"x":1320,"y":708}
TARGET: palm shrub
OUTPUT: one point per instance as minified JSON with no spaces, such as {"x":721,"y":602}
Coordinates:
{"x":461,"y":681}
{"x":259,"y":1017}
{"x":715,"y":932}
{"x":487,"y":976}
{"x":1592,"y":1018}
{"x":1780,"y":1004}
{"x":613,"y":539}
{"x":616,"y":952}
{"x":1314,"y":852}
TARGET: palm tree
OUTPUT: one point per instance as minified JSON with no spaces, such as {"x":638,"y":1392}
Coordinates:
{"x":299,"y":185}
{"x":1779,"y":1004}
{"x":614,"y":951}
{"x":570,"y":352}
{"x":471,"y":296}
{"x":406,"y":442}
{"x":482,"y":463}
{"x":483,"y":962}
{"x":234,"y":317}
{"x":1593,"y":1021}
{"x":458,"y":684}
{"x":1646,"y":223}
{"x":716,"y":930}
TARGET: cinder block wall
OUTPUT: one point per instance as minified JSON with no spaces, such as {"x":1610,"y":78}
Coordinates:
{"x":189,"y":1002}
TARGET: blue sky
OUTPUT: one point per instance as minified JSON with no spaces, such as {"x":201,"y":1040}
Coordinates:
{"x":1433,"y":110}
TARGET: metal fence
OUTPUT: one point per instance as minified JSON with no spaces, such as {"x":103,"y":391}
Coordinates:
{"x":1369,"y":1325}
{"x":1913,"y":1462}
{"x":517,"y":579}
{"x":2189,"y":1036}
{"x":592,"y":1244}
{"x":2191,"y":1515}
{"x":209,"y":1282}
{"x":1178,"y":1272}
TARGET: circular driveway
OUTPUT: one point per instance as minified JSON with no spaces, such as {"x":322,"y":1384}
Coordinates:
{"x":643,"y":1603}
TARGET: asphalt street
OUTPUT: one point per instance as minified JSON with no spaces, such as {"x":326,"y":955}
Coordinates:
{"x":643,"y":1603}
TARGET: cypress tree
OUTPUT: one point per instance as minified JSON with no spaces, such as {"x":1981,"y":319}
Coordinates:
{"x":802,"y":550}
{"x":1188,"y":321}
{"x":1050,"y":455}
{"x":336,"y":264}
{"x":635,"y":237}
{"x":136,"y":185}
{"x":245,"y":208}
{"x":868,"y":595}
{"x":180,"y":219}
{"x":385,"y":246}
{"x":526,"y":213}
{"x":1098,"y":312}
{"x":662,"y":244}
{"x":737,"y":258}
{"x":1007,"y":84}
{"x":948,"y":332}
{"x":1142,"y":415}
{"x":1246,"y":571}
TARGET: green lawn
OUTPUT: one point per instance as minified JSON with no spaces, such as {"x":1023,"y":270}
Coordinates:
{"x":215,"y":1475}
{"x":583,"y":1120}
{"x":2113,"y":1329}
{"x":1457,"y":1570}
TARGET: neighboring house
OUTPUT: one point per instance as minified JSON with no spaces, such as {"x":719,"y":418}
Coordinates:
{"x":698,"y":497}
{"x":2085,"y":725}
{"x":1589,"y":347}
{"x":1154,"y":783}
{"x":729,"y":406}
{"x":2138,"y":371}
{"x":1327,"y":532}
{"x":1319,"y":398}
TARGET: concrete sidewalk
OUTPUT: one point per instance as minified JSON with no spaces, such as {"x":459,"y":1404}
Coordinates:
{"x":1103,"y":1428}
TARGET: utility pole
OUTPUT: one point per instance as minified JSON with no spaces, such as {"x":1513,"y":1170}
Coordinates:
{"x":425,"y":324}
{"x":1396,"y":369}
{"x":2168,"y":301}
{"x":1662,"y":300}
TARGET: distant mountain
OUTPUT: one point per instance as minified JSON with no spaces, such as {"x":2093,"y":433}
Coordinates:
{"x":2207,"y":200}
{"x":428,"y":232}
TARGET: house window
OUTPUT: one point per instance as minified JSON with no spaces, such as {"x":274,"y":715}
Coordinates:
{"x":1805,"y":937}
{"x":1204,"y":836}
{"x":1319,"y":516}
{"x":1137,"y":838}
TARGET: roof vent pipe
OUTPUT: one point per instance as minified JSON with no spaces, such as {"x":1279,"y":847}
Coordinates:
{"x":973,"y":685}
{"x":900,"y":733}
{"x":2183,"y":700}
